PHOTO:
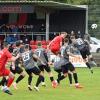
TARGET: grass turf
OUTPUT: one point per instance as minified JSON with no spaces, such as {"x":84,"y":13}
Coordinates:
{"x":91,"y":90}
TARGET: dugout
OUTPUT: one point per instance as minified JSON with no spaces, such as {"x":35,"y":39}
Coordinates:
{"x":42,"y":18}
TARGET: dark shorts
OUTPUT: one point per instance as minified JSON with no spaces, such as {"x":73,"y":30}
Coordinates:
{"x":85,"y":52}
{"x":67,"y":67}
{"x":70,"y":67}
{"x":17,"y":70}
{"x":34,"y":70}
{"x":46,"y":67}
{"x":59,"y":70}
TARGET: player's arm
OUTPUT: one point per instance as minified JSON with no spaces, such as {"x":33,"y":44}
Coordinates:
{"x":13,"y":62}
{"x":14,"y":58}
{"x":68,"y":51}
{"x":46,"y":55}
{"x":10,"y":56}
{"x":13,"y":65}
{"x":21,"y":62}
{"x":37,"y":58}
{"x":71,"y":54}
{"x":61,"y":43}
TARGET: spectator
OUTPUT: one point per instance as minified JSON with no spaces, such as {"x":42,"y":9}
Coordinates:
{"x":4,"y":28}
{"x":8,"y":29}
{"x":42,"y":28}
{"x":25,"y":39}
{"x":8,"y":39}
{"x":14,"y":38}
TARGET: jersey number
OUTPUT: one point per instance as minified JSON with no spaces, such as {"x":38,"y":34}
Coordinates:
{"x":25,"y":56}
{"x":39,"y":53}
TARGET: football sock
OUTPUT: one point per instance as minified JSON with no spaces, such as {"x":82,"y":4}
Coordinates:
{"x":43,"y":80}
{"x":39,"y":80}
{"x":52,"y":79}
{"x":75,"y":77}
{"x":59,"y":75}
{"x":3,"y":81}
{"x":19,"y":78}
{"x":60,"y":78}
{"x":10,"y":80}
{"x":29,"y":79}
{"x":88,"y":65}
{"x":70,"y":78}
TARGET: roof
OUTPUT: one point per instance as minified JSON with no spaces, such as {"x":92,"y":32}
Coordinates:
{"x":50,"y":4}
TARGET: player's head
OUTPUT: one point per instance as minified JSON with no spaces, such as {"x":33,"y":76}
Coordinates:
{"x":64,"y":34}
{"x":26,"y":47}
{"x":73,"y":34}
{"x":19,"y":43}
{"x":73,"y":39}
{"x":66,"y":40}
{"x":79,"y":35}
{"x":39,"y":45}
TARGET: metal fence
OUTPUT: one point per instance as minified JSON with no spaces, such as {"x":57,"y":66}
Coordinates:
{"x":29,"y":35}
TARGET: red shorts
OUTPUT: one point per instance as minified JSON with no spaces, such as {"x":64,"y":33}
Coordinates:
{"x":5,"y":72}
{"x":55,"y":48}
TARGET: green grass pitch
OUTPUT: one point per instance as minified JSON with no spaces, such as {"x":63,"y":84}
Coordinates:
{"x":91,"y":90}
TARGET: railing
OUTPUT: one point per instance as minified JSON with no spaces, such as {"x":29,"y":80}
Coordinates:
{"x":30,"y":35}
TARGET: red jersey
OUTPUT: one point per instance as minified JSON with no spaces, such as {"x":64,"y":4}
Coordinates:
{"x":56,"y":41}
{"x":4,"y":56}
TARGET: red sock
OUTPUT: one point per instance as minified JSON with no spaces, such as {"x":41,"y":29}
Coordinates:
{"x":10,"y":80}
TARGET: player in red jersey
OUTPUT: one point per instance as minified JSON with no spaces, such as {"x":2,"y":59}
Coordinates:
{"x":5,"y":55}
{"x":56,"y":43}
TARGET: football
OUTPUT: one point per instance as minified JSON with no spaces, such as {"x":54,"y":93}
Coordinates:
{"x":94,"y":26}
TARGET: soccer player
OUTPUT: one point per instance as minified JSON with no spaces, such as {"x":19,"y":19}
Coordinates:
{"x":57,"y":68}
{"x":16,"y":68}
{"x":57,"y":65}
{"x":28,"y":58}
{"x":90,"y":57}
{"x":56,"y":43}
{"x":5,"y":55}
{"x":84,"y":49}
{"x":66,"y":65}
{"x":43,"y":55}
